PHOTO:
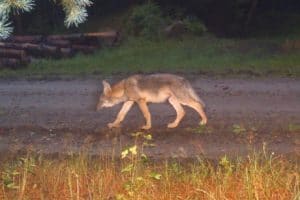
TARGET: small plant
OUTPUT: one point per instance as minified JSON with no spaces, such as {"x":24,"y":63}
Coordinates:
{"x":176,"y":168}
{"x":238,"y":129}
{"x":9,"y":177}
{"x":135,"y":154}
{"x":202,"y":129}
{"x":226,"y":165}
{"x":134,"y":159}
{"x":12,"y":173}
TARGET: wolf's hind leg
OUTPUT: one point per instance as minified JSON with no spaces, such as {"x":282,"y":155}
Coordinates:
{"x":197,"y":106}
{"x":121,"y":115}
{"x":179,"y":112}
{"x":144,"y":108}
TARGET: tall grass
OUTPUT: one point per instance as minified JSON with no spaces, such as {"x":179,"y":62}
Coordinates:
{"x":190,"y":54}
{"x":259,"y":176}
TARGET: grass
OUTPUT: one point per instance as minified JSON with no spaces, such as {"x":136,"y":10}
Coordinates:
{"x":85,"y":177}
{"x":206,"y":54}
{"x":134,"y":176}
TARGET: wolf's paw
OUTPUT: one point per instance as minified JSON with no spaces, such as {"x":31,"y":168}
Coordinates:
{"x":146,"y":127}
{"x":113,"y":125}
{"x":172,"y":125}
{"x":203,"y":122}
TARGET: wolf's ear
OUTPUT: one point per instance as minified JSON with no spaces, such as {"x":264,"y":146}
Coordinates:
{"x":106,"y":87}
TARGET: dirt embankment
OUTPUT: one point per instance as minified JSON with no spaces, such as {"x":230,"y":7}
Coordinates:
{"x":56,"y":116}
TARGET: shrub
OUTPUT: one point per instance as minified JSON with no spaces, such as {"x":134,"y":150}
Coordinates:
{"x":194,"y":25}
{"x":145,"y":20}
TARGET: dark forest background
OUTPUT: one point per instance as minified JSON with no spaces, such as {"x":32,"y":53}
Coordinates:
{"x":225,"y":18}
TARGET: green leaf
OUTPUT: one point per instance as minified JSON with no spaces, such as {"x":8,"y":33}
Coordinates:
{"x":144,"y":157}
{"x":127,"y":186}
{"x":148,"y":137}
{"x":224,"y":161}
{"x":133,"y":150}
{"x":155,"y":175}
{"x":146,"y":144}
{"x":124,"y":153}
{"x":128,"y":168}
{"x":136,"y":134}
{"x":15,"y":173}
{"x":12,"y":186}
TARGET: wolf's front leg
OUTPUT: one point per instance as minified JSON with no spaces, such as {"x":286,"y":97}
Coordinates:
{"x":144,"y":108}
{"x":121,"y":115}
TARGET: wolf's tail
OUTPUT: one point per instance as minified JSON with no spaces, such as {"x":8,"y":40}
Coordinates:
{"x":194,"y":95}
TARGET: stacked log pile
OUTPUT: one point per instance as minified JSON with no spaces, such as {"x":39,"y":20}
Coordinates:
{"x":18,"y":51}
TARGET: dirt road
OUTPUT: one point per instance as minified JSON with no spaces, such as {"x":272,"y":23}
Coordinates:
{"x":52,"y":116}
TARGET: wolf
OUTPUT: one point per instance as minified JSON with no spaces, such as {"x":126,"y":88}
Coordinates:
{"x":153,"y":88}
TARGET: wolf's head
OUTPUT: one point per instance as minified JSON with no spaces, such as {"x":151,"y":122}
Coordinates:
{"x":109,"y":97}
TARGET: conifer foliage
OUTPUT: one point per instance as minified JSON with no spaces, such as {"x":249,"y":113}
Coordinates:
{"x":76,"y":12}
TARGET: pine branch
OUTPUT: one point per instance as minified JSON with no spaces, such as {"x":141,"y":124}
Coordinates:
{"x":76,"y":12}
{"x":7,"y":6}
{"x":5,"y":28}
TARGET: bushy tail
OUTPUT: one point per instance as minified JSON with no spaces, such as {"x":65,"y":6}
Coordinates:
{"x":194,"y":95}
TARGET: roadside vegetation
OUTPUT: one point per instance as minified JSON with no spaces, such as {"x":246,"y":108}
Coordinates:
{"x":132,"y":175}
{"x":190,"y":47}
{"x":190,"y":54}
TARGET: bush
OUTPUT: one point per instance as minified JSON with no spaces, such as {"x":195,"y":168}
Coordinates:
{"x":145,"y":20}
{"x":194,"y":25}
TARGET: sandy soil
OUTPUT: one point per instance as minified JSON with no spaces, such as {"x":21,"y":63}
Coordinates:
{"x":53,"y":116}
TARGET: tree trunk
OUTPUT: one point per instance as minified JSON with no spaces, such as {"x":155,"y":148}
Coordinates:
{"x":250,"y":15}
